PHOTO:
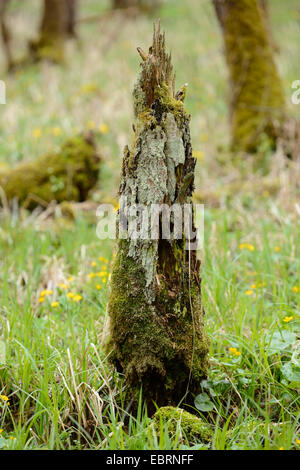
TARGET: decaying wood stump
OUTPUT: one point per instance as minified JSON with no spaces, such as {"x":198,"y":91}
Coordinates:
{"x":157,"y":336}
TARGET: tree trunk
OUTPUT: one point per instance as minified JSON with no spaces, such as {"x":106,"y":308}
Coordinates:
{"x":5,"y":34}
{"x":157,"y":335}
{"x":257,"y":97}
{"x":146,"y":5}
{"x":72,"y":7}
{"x":67,"y":175}
{"x":50,"y":44}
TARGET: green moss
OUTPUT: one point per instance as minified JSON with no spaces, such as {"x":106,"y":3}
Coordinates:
{"x":66,"y":175}
{"x":257,"y":97}
{"x":177,"y":421}
{"x":160,"y":353}
{"x":47,"y":47}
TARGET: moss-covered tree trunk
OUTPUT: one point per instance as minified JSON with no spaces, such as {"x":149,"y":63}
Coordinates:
{"x":157,"y":336}
{"x":50,"y":44}
{"x":257,"y":97}
{"x":5,"y":34}
{"x":67,"y":175}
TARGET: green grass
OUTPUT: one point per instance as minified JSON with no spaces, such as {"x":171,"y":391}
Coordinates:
{"x":62,"y":392}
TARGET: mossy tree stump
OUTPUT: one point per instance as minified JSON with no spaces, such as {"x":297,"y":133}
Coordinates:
{"x":257,"y":97}
{"x":157,"y":337}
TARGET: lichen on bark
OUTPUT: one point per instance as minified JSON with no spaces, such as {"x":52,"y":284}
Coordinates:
{"x":66,"y":175}
{"x":157,"y":337}
{"x":257,"y":97}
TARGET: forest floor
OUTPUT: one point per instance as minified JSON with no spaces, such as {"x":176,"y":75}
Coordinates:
{"x":57,"y":388}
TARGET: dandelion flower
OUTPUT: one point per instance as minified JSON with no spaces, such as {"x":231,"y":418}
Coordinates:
{"x":55,"y":304}
{"x":98,"y":287}
{"x":277,"y":249}
{"x":63,"y":286}
{"x":4,"y":397}
{"x":296,"y":289}
{"x":93,"y":263}
{"x":249,"y":292}
{"x":298,"y":442}
{"x":77,"y":298}
{"x":71,"y":295}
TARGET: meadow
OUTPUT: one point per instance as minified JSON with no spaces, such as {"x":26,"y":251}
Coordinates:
{"x":57,"y":389}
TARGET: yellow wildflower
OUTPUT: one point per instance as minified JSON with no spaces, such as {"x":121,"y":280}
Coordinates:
{"x":4,"y":397}
{"x":71,"y":295}
{"x":98,"y":287}
{"x":198,"y":154}
{"x":247,"y":246}
{"x":70,"y":279}
{"x":55,"y":304}
{"x":104,"y":260}
{"x":93,"y":263}
{"x":281,"y":448}
{"x":249,"y":292}
{"x":103,"y":128}
{"x":63,"y":286}
{"x":101,"y":274}
{"x":1,"y":430}
{"x":277,"y":249}
{"x":288,"y":319}
{"x":41,"y":300}
{"x":56,"y":131}
{"x":296,"y":289}
{"x":46,"y":292}
{"x":12,"y":438}
{"x":234,"y":351}
{"x":91,"y":275}
{"x":77,"y":298}
{"x":37,"y":133}
{"x":91,"y":125}
{"x":298,"y":442}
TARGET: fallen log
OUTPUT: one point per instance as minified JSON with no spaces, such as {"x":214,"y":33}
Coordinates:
{"x":67,"y":175}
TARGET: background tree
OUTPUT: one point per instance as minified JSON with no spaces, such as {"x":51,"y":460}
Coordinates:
{"x":156,"y":317}
{"x":5,"y":34}
{"x":146,"y":5}
{"x":257,"y":97}
{"x":72,"y":10}
{"x":58,"y":21}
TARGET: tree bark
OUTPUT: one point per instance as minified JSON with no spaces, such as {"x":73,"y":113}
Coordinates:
{"x":67,"y":175}
{"x":157,"y":336}
{"x":5,"y":34}
{"x":257,"y":97}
